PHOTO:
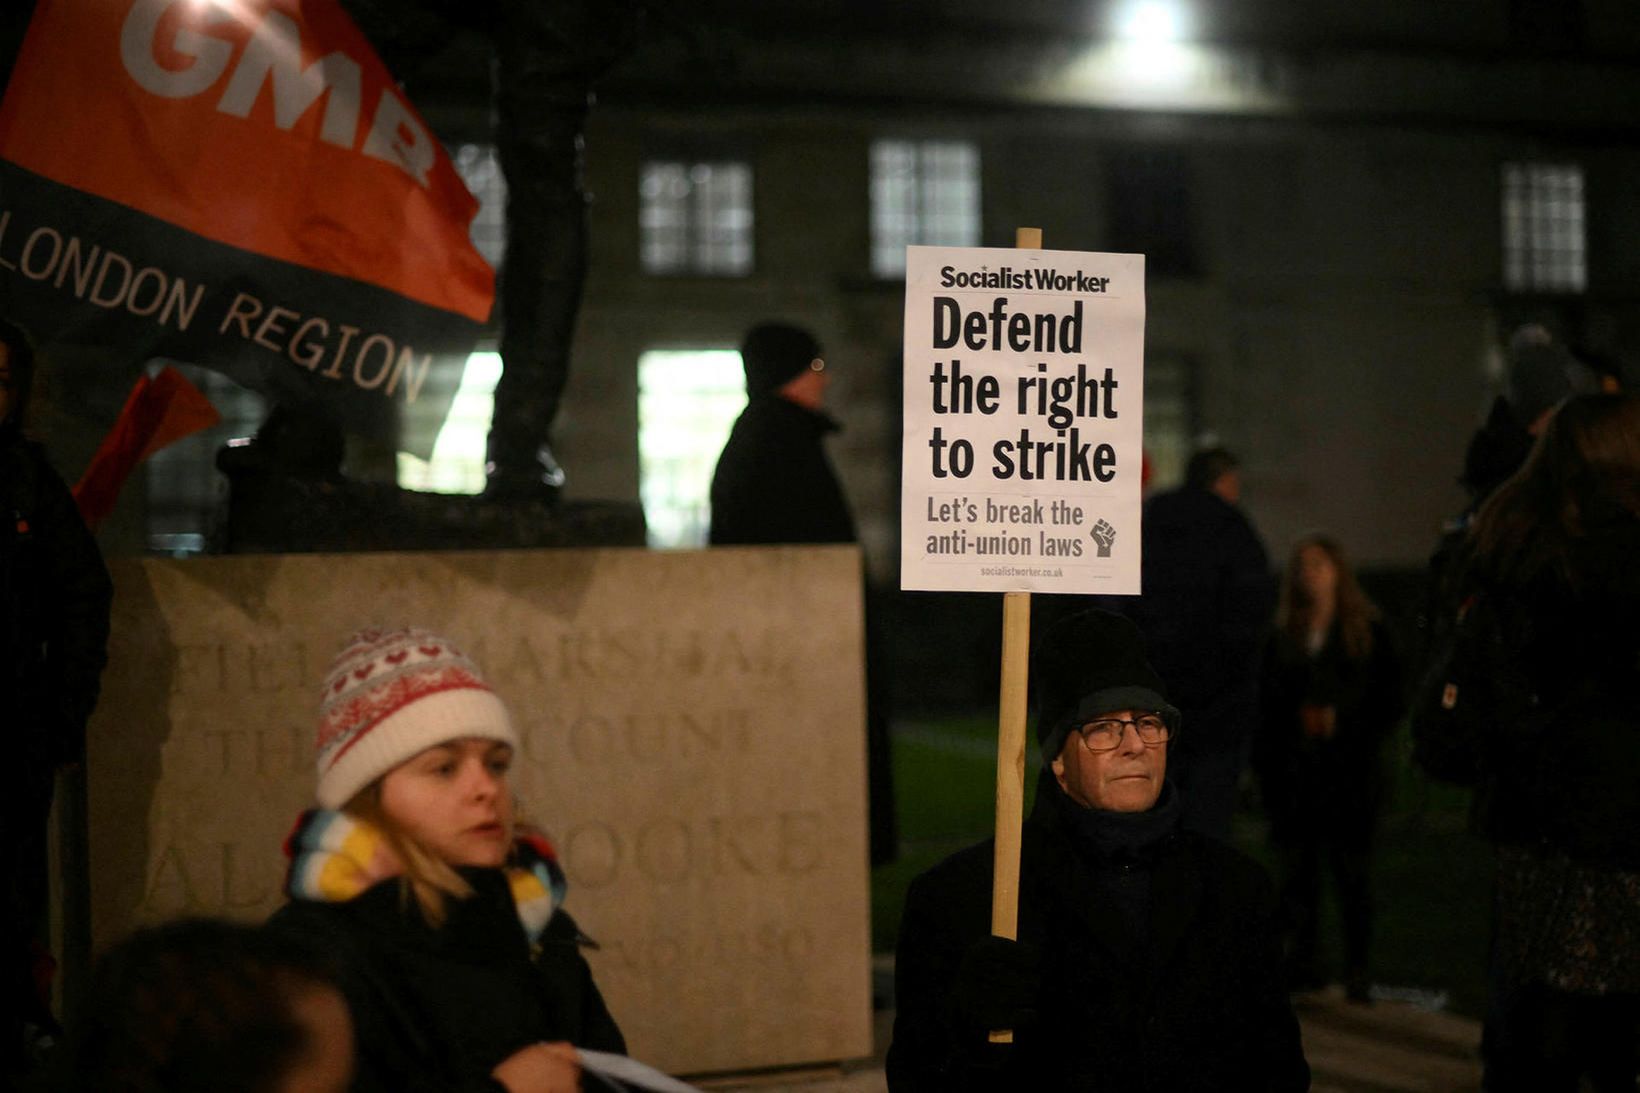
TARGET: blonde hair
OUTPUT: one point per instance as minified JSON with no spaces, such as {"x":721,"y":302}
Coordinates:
{"x":427,"y":877}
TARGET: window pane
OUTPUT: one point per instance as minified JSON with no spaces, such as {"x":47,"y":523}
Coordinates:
{"x":687,"y":402}
{"x":695,"y":218}
{"x":921,"y":193}
{"x":1544,"y":229}
{"x":457,"y":463}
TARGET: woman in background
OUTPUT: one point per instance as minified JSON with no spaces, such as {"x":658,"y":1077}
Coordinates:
{"x":1331,"y":694}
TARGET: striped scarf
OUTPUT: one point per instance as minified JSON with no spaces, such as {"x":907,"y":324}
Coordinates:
{"x":335,"y":857}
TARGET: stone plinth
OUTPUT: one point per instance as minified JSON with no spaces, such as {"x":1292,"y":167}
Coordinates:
{"x":693,"y":729}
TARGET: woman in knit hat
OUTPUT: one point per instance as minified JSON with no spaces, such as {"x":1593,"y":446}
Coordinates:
{"x":442,"y":913}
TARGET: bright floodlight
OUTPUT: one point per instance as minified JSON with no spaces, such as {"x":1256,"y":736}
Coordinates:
{"x":1151,"y":21}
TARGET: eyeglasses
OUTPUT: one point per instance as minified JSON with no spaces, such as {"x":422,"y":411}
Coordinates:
{"x":1105,"y":734}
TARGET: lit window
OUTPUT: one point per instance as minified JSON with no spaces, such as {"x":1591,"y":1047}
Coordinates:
{"x":1543,"y":228}
{"x":457,"y":463}
{"x":1170,"y":418}
{"x":186,"y":493}
{"x":480,"y":169}
{"x":922,"y":193}
{"x":695,"y":218}
{"x":687,"y":402}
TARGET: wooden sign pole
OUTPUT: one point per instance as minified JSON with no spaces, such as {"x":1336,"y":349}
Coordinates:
{"x":1016,"y":655}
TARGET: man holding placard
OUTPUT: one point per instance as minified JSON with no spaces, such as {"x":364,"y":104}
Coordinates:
{"x":1147,"y":956}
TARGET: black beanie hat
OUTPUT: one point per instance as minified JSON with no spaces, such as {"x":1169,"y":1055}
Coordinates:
{"x":775,"y":352}
{"x":1087,"y":664}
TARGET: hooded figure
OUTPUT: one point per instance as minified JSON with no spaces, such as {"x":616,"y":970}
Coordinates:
{"x":54,"y":600}
{"x":1147,"y":956}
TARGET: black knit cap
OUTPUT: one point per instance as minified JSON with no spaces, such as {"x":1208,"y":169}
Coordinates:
{"x":1087,"y":664}
{"x":775,"y":352}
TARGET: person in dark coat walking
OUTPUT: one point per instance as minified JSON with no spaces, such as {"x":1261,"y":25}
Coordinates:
{"x":1331,"y":694}
{"x":1206,"y":605}
{"x":774,"y":484}
{"x":1147,"y":955}
{"x":1551,"y":559}
{"x":54,"y":602}
{"x":443,"y":918}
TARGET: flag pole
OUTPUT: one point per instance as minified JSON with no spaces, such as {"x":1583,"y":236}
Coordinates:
{"x":1010,"y":818}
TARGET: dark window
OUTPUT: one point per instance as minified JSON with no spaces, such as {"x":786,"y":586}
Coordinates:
{"x":1547,"y":27}
{"x":1150,"y":214}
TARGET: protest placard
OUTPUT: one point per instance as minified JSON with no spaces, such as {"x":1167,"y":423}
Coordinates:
{"x":1024,"y":411}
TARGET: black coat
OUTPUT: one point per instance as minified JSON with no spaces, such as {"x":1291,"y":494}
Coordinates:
{"x":1334,"y":788}
{"x":1202,"y":1006}
{"x":435,"y":1010}
{"x":773,"y":482}
{"x":1208,"y":594}
{"x":54,"y":602}
{"x":1565,"y":770}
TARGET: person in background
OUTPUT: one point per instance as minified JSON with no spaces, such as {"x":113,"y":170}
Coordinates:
{"x":203,"y":1006}
{"x":1551,"y":559}
{"x":1539,"y":374}
{"x":442,"y":913}
{"x":1204,"y":613}
{"x":1331,"y":694}
{"x":54,"y":601}
{"x":774,"y":484}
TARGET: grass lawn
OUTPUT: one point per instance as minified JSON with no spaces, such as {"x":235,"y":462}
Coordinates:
{"x":1433,"y":879}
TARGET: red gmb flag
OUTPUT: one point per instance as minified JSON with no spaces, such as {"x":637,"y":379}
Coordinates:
{"x":238,"y":184}
{"x":160,"y":410}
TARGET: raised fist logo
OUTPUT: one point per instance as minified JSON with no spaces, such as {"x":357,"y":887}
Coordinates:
{"x":1104,"y":535}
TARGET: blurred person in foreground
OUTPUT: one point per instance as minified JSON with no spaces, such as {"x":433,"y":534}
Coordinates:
{"x":202,"y":1006}
{"x":1551,"y":563}
{"x":54,"y":602}
{"x":1331,"y":695}
{"x":1147,"y":957}
{"x":442,"y":913}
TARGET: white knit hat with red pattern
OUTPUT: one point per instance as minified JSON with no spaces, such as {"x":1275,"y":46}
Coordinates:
{"x":392,"y":694}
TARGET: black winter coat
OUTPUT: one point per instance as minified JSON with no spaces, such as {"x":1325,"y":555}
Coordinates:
{"x":1565,"y":770}
{"x":1208,"y":593}
{"x":1201,"y":1006}
{"x":1333,"y":788}
{"x":54,"y":602}
{"x":435,"y":1010}
{"x":773,"y":482}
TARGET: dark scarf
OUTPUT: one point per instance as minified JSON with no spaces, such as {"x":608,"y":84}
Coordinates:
{"x":1117,"y":848}
{"x":1105,"y":837}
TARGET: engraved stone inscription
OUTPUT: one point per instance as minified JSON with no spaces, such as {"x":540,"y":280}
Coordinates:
{"x":661,"y":699}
